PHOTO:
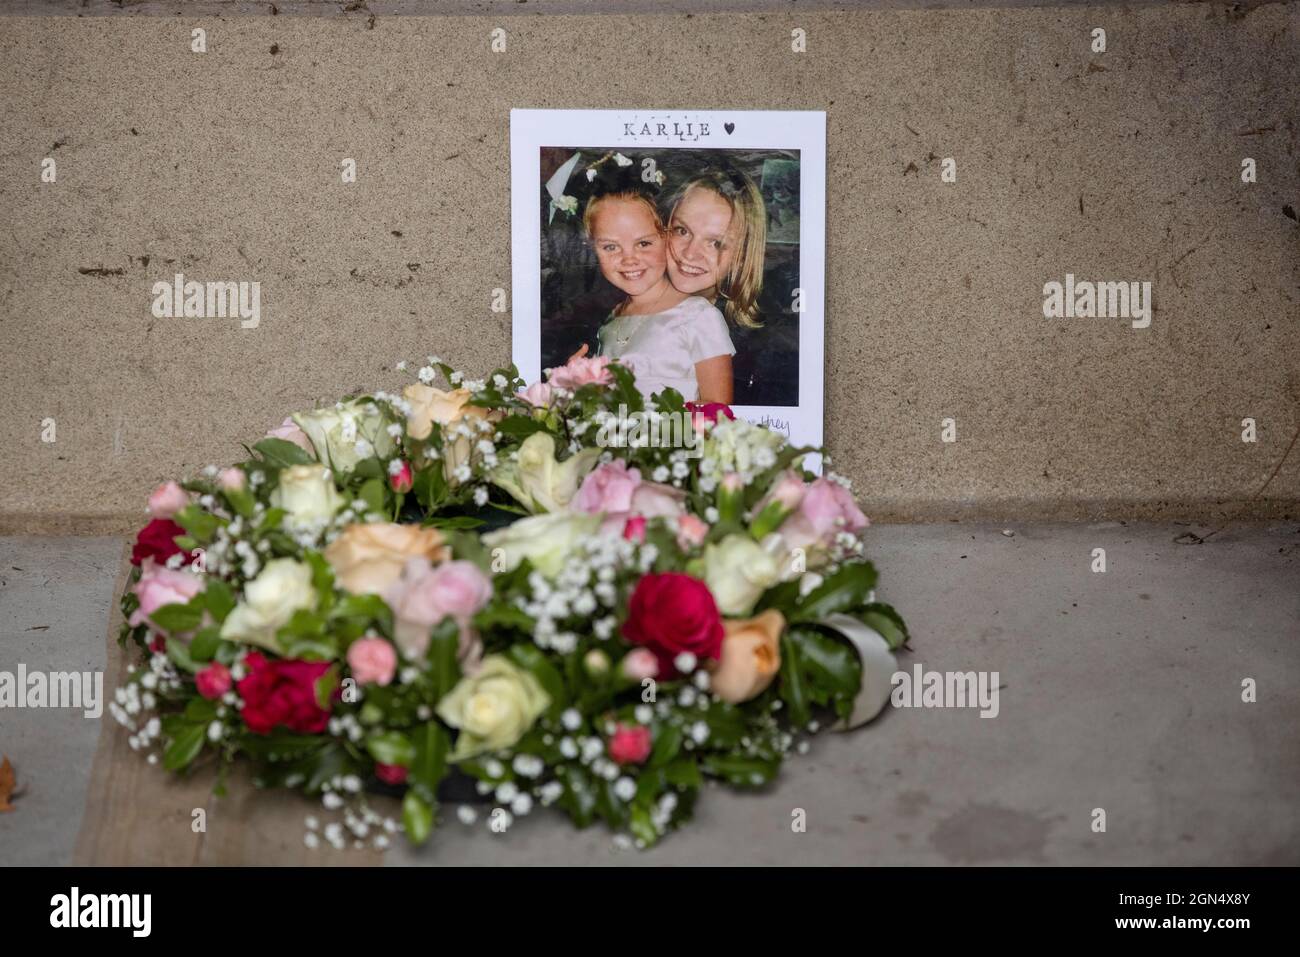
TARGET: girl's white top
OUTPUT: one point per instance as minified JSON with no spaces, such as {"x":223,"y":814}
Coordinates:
{"x":662,"y":348}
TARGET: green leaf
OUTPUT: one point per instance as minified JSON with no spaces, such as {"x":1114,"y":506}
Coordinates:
{"x":176,"y":619}
{"x":843,"y":591}
{"x":201,"y":525}
{"x":578,"y":798}
{"x":793,"y":691}
{"x":363,"y":606}
{"x":831,"y":668}
{"x":185,"y":746}
{"x":219,"y":599}
{"x":887,"y":621}
{"x":429,"y":765}
{"x":180,"y":656}
{"x":444,"y":644}
{"x":741,"y":771}
{"x":530,"y":658}
{"x":391,"y":747}
{"x":430,"y":485}
{"x":204,"y":645}
{"x":520,"y":426}
{"x":668,"y":741}
{"x":641,"y":825}
{"x":242,"y":501}
{"x":322,"y":579}
{"x":504,"y":615}
{"x":684,"y":773}
{"x":369,"y":469}
{"x":282,"y":453}
{"x":372,"y":493}
{"x":417,"y":817}
{"x":200,"y":711}
{"x":453,"y":522}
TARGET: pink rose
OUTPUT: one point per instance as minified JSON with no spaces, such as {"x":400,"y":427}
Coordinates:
{"x":167,"y":499}
{"x":537,"y":394}
{"x":289,"y":431}
{"x":607,"y":488}
{"x":826,"y":510}
{"x":460,"y":589}
{"x":788,"y":490}
{"x":401,"y":480}
{"x":159,"y":586}
{"x":372,"y":660}
{"x":657,"y":501}
{"x":232,"y":480}
{"x":634,"y":529}
{"x":639,"y":664}
{"x":580,"y":371}
{"x":630,"y":744}
{"x":391,"y":773}
{"x":213,"y":680}
{"x":425,"y":595}
{"x":691,"y":531}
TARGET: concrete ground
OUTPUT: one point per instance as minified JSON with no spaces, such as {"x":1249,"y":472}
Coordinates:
{"x":1120,"y":690}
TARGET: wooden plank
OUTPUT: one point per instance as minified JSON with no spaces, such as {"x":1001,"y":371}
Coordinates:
{"x":138,"y":814}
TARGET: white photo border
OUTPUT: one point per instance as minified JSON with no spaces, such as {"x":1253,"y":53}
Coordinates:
{"x":802,"y":130}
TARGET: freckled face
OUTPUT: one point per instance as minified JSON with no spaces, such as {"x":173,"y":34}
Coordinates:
{"x":700,"y":243}
{"x":629,"y":247}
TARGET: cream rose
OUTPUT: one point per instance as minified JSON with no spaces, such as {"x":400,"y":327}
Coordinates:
{"x":545,"y":540}
{"x":738,"y":570}
{"x":537,"y":481}
{"x":307,"y":494}
{"x":367,"y":558}
{"x":269,"y":601}
{"x":751,"y":656}
{"x":493,"y":708}
{"x":348,"y":432}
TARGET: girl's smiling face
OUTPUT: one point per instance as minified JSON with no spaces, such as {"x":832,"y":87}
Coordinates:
{"x":700,"y":243}
{"x":629,"y":247}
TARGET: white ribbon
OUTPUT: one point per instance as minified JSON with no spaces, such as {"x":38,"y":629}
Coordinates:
{"x":878,"y":667}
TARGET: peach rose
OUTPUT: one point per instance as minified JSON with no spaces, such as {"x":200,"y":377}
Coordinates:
{"x":751,"y":656}
{"x":430,"y":405}
{"x":367,"y":558}
{"x":448,"y":409}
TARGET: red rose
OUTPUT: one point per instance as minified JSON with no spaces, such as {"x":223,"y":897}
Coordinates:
{"x":282,"y":693}
{"x":391,"y":773}
{"x":213,"y":681}
{"x":710,"y":412}
{"x":630,"y":744}
{"x":670,"y":613}
{"x":157,"y":540}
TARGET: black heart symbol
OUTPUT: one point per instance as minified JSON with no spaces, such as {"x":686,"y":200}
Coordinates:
{"x":729,"y":127}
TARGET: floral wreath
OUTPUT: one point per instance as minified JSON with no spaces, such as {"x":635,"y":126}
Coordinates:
{"x":519,"y":590}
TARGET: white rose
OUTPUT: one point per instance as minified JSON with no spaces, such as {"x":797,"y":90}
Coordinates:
{"x":269,"y":601}
{"x":307,"y":494}
{"x":537,"y":481}
{"x":545,"y":540}
{"x":336,"y":431}
{"x":738,"y":570}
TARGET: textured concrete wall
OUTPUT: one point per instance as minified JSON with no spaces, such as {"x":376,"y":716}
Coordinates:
{"x":1122,"y":165}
